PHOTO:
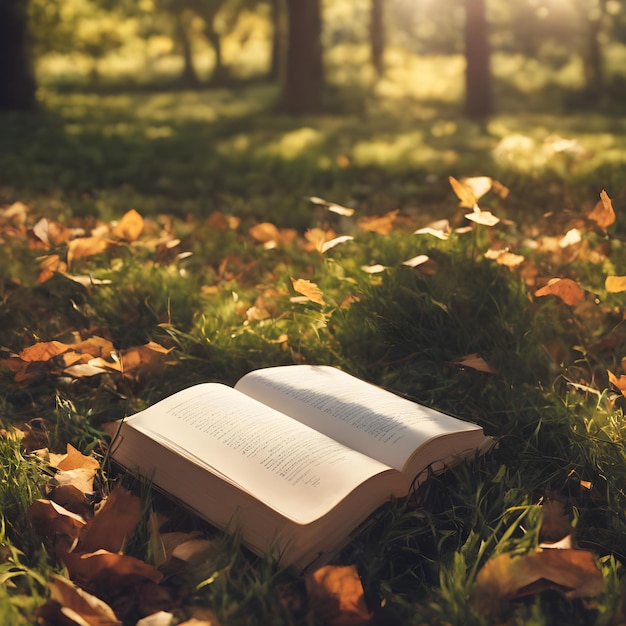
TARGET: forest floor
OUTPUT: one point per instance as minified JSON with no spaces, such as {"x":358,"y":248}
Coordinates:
{"x":151,"y":240}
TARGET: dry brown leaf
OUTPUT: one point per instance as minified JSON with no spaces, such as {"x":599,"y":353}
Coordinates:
{"x":568,"y":290}
{"x":43,"y":351}
{"x":50,"y":232}
{"x":201,"y":617}
{"x":107,"y":572}
{"x":555,"y":521}
{"x":615,"y":284}
{"x":84,"y":247}
{"x":474,"y":362}
{"x":68,"y":600}
{"x":114,"y":523}
{"x":620,"y":382}
{"x":464,"y":193}
{"x":382,"y":224}
{"x":440,"y":229}
{"x":336,"y":594}
{"x":504,"y":578}
{"x":56,"y":524}
{"x":308,"y":289}
{"x":603,"y":214}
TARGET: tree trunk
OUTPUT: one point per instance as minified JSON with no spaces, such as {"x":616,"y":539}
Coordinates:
{"x":304,"y":80}
{"x":593,"y":61}
{"x":17,"y":81}
{"x":189,"y":77}
{"x":279,"y":40}
{"x":377,"y":36}
{"x":478,"y":90}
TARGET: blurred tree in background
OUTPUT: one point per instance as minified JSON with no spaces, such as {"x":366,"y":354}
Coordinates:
{"x":17,"y":84}
{"x":189,"y":43}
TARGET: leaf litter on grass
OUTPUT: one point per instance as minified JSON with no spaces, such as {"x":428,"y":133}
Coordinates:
{"x":90,"y":540}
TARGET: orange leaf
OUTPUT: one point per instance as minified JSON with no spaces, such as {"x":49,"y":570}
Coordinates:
{"x":603,"y":214}
{"x":107,"y":572}
{"x":566,"y":289}
{"x":474,"y":362}
{"x":264,"y":232}
{"x":336,"y":594}
{"x":43,"y":351}
{"x":465,"y":194}
{"x":114,"y":523}
{"x":620,"y":382}
{"x":75,"y":459}
{"x":130,"y":226}
{"x":84,"y":247}
{"x":505,"y":577}
{"x":382,"y":225}
{"x":615,"y":284}
{"x":308,"y":289}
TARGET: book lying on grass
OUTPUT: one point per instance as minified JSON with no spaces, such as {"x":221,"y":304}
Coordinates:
{"x":294,"y":458}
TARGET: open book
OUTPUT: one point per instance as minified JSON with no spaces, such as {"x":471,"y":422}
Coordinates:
{"x":295,"y":458}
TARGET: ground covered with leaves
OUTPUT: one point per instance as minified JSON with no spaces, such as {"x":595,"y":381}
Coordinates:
{"x":485,"y":305}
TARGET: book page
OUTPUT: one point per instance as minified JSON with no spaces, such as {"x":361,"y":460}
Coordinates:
{"x":358,"y":414}
{"x":296,"y":470}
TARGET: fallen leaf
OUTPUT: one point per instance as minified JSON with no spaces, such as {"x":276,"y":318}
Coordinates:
{"x":80,"y":478}
{"x":130,"y":226}
{"x":440,"y":229}
{"x":484,"y":218}
{"x":474,"y":362}
{"x":108,"y":573}
{"x":464,"y":193}
{"x":114,"y":523}
{"x":308,"y":289}
{"x":75,"y":459}
{"x":571,"y":238}
{"x":335,"y":242}
{"x":264,"y":232}
{"x":336,"y":594}
{"x":333,"y":207}
{"x":555,"y":521}
{"x":620,"y":382}
{"x":603,"y":214}
{"x":43,"y":351}
{"x":377,"y":268}
{"x":505,"y":577}
{"x":568,"y":290}
{"x":615,"y":284}
{"x":415,"y":261}
{"x":84,"y":247}
{"x":56,"y":524}
{"x":479,"y":185}
{"x":382,"y":225}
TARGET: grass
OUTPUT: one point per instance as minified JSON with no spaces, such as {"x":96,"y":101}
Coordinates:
{"x":179,"y":157}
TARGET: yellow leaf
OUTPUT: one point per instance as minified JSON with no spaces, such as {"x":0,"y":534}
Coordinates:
{"x":603,"y":214}
{"x":479,"y":185}
{"x":308,"y":289}
{"x":464,"y":193}
{"x":43,"y":351}
{"x":566,"y":289}
{"x":615,"y":284}
{"x":336,"y":594}
{"x":130,"y":226}
{"x":264,"y":232}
